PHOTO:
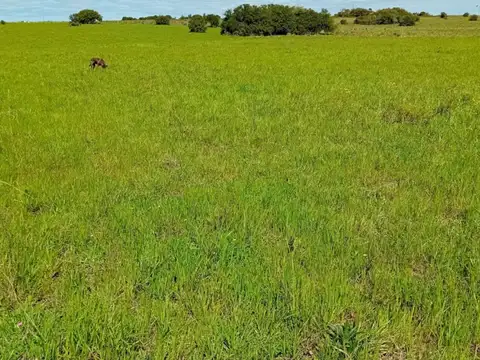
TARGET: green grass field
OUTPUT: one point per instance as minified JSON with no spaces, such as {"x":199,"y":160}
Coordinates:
{"x":212,"y":197}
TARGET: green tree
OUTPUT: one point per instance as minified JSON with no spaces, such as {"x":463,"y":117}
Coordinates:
{"x":197,"y":24}
{"x":86,"y":16}
{"x":162,"y":20}
{"x":213,"y":20}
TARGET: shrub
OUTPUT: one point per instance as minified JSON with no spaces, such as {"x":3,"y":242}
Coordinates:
{"x":125,"y":18}
{"x":266,"y":20}
{"x":213,"y":20}
{"x":366,"y":20}
{"x":466,"y":14}
{"x":423,"y":13}
{"x":386,"y":17}
{"x":74,"y":23}
{"x":343,"y":22}
{"x":473,"y":18}
{"x":162,"y":20}
{"x":2,"y":22}
{"x":444,"y":15}
{"x":408,"y":20}
{"x":357,"y":12}
{"x":197,"y":24}
{"x":86,"y":16}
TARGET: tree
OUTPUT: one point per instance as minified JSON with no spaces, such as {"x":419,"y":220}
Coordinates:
{"x":266,"y":20}
{"x":197,"y":24}
{"x":2,"y":22}
{"x":213,"y":20}
{"x":444,"y":15}
{"x":466,"y":14}
{"x":86,"y":16}
{"x":162,"y":20}
{"x":473,"y":18}
{"x":407,"y":20}
{"x":356,"y":12}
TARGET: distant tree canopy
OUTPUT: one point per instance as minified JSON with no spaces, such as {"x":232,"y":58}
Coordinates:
{"x":473,"y":18}
{"x":163,"y":20}
{"x":86,"y":16}
{"x":357,"y":12}
{"x":466,"y":14}
{"x":125,"y":18}
{"x":213,"y":20}
{"x":153,"y":17}
{"x":2,"y":22}
{"x":266,"y":20}
{"x":422,"y":14}
{"x":197,"y":24}
{"x":388,"y":16}
{"x":444,"y":15}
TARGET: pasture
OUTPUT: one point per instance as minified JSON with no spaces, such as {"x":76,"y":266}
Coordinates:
{"x":210,"y":197}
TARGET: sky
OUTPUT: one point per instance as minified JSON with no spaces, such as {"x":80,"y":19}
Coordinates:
{"x":59,"y":10}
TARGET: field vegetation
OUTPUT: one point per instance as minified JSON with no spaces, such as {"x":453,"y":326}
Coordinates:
{"x":223,"y":197}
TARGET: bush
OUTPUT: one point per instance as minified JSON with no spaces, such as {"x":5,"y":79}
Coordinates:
{"x":473,"y":18}
{"x":343,"y":22}
{"x":74,"y":23}
{"x":466,"y":14}
{"x":126,"y":18}
{"x":444,"y":15}
{"x":2,"y":22}
{"x":197,"y":24}
{"x":408,"y":20}
{"x":266,"y":20}
{"x":366,"y":20}
{"x":162,"y":20}
{"x":357,"y":12}
{"x":213,"y":20}
{"x":389,"y":16}
{"x":386,"y":17}
{"x":423,"y":13}
{"x":86,"y":16}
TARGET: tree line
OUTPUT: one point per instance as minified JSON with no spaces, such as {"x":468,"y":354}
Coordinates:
{"x":267,"y":20}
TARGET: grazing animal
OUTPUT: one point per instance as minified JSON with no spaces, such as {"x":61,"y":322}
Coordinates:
{"x":97,"y":62}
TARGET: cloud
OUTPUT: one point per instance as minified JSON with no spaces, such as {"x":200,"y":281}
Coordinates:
{"x":59,"y":10}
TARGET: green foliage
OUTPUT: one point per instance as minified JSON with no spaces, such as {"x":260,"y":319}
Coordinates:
{"x":127,"y":18}
{"x":344,"y":22}
{"x":389,"y":16}
{"x":407,"y":20}
{"x":422,"y":14}
{"x":213,"y":20}
{"x":86,"y":16}
{"x":366,"y":20}
{"x":267,"y":20}
{"x":444,"y":15}
{"x":473,"y":18}
{"x":2,"y":22}
{"x":466,"y":14}
{"x":357,"y":12}
{"x":162,"y":20}
{"x":347,"y":340}
{"x":197,"y":24}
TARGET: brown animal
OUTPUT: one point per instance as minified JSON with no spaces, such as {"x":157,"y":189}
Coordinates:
{"x":97,"y":62}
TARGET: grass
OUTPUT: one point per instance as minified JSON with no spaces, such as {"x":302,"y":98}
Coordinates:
{"x":453,"y":26}
{"x":216,"y":197}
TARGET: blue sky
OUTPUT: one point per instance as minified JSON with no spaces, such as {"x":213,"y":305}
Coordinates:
{"x":58,"y":10}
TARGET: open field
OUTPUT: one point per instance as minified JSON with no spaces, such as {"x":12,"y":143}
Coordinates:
{"x":230,"y":198}
{"x":454,"y":26}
